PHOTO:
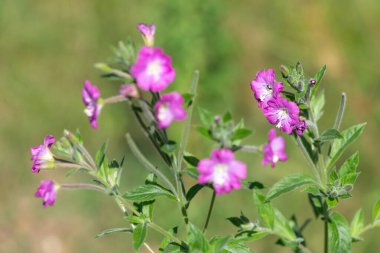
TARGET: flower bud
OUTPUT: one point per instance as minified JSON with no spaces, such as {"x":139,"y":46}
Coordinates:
{"x":284,"y":71}
{"x":129,"y":91}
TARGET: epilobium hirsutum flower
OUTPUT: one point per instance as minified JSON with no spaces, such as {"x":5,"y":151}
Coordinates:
{"x":92,"y":101}
{"x":274,"y":151}
{"x":222,"y":170}
{"x":282,"y":113}
{"x":46,"y":191}
{"x":129,"y":91}
{"x":147,"y":32}
{"x":300,"y":127}
{"x":153,"y":70}
{"x":265,"y":87}
{"x":41,"y":155}
{"x":169,"y":108}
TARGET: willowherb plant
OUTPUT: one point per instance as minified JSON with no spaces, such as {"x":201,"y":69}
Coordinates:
{"x":294,"y":108}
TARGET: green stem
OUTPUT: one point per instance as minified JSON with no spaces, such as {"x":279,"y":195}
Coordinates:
{"x":326,"y":249}
{"x":83,"y":186}
{"x":306,"y":155}
{"x":209,"y":211}
{"x":342,"y":107}
{"x":164,"y":232}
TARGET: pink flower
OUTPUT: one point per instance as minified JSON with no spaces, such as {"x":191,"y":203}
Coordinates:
{"x":47,"y":191}
{"x":300,"y":127}
{"x":41,"y":155}
{"x":265,"y":87}
{"x":92,"y":101}
{"x":153,"y":70}
{"x":129,"y":91}
{"x":222,"y":170}
{"x":147,"y":32}
{"x":282,"y":113}
{"x":274,"y":151}
{"x":169,"y":108}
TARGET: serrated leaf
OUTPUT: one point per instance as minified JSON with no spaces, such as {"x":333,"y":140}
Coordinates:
{"x":318,"y":77}
{"x":139,"y":235}
{"x":240,"y":134}
{"x":376,"y":212}
{"x":339,"y":234}
{"x":317,"y":103}
{"x":357,"y":224}
{"x":205,"y":116}
{"x":287,"y":184}
{"x":328,"y":135}
{"x":348,"y":171}
{"x":196,"y":239}
{"x":264,"y":209}
{"x":340,"y":145}
{"x":147,"y":193}
{"x":113,"y":230}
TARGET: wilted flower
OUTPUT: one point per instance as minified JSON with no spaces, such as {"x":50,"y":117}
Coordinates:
{"x":265,"y":87}
{"x":147,"y":32}
{"x":169,"y":108}
{"x":274,"y":151}
{"x":92,"y":101}
{"x":128,"y":91}
{"x":153,"y":70}
{"x":222,"y":170}
{"x":41,"y":155}
{"x":47,"y":191}
{"x":282,"y":113}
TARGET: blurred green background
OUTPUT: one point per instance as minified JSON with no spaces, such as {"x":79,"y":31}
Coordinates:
{"x":47,"y":49}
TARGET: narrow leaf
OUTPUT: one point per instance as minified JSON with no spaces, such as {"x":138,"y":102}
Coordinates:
{"x":339,"y":234}
{"x":147,"y":193}
{"x":264,"y":209}
{"x":357,"y":224}
{"x":196,"y":239}
{"x":287,"y":184}
{"x":329,"y":134}
{"x":340,"y":145}
{"x":113,"y":230}
{"x":139,"y":235}
{"x":376,"y":211}
{"x":318,"y":77}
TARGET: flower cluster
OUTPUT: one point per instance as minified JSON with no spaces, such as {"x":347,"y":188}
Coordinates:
{"x":152,"y":71}
{"x":278,"y":111}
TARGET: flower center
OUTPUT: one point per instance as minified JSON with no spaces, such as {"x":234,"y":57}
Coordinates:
{"x":267,"y":92}
{"x":154,"y":69}
{"x":282,"y":114}
{"x":163,"y":113}
{"x":275,"y":158}
{"x":220,"y":175}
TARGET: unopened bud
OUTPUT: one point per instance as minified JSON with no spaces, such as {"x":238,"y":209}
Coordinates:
{"x":299,"y":68}
{"x":348,"y":187}
{"x":312,"y":82}
{"x":129,"y":91}
{"x":284,"y":71}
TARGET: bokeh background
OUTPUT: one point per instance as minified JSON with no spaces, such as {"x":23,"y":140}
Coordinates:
{"x":47,"y":49}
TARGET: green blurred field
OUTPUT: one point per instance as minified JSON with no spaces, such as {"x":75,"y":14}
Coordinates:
{"x":47,"y":49}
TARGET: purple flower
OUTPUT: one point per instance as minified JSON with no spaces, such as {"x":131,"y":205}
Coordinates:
{"x":300,"y":127}
{"x":265,"y":87}
{"x":41,"y":156}
{"x":128,"y":91}
{"x":169,"y":108}
{"x":147,"y":32}
{"x":153,"y":70}
{"x":274,"y":151}
{"x":282,"y":113}
{"x":222,"y":170}
{"x":46,"y":191}
{"x":92,"y":101}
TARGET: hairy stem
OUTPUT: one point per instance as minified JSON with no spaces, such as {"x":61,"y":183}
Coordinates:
{"x":83,"y":186}
{"x":308,"y":158}
{"x":339,"y":115}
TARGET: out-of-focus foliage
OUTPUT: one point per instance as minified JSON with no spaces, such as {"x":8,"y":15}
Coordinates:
{"x":47,"y":49}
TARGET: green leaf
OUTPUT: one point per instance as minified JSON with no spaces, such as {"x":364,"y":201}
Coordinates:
{"x":192,"y":172}
{"x":169,"y":147}
{"x":252,"y":235}
{"x":147,"y":193}
{"x":357,"y":224}
{"x":339,"y":234}
{"x":188,"y":99}
{"x":113,"y":230}
{"x":100,"y":155}
{"x":282,"y":226}
{"x":193,"y":191}
{"x":139,"y":235}
{"x":205,"y":116}
{"x":318,"y":77}
{"x":340,"y":145}
{"x":287,"y":184}
{"x":196,"y":239}
{"x":376,"y":212}
{"x":165,"y":244}
{"x":264,"y":209}
{"x":235,"y":246}
{"x":217,"y":243}
{"x":317,"y":103}
{"x":227,"y":117}
{"x":191,"y":159}
{"x":348,"y":171}
{"x":205,"y":132}
{"x":240,"y":134}
{"x":328,"y":135}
